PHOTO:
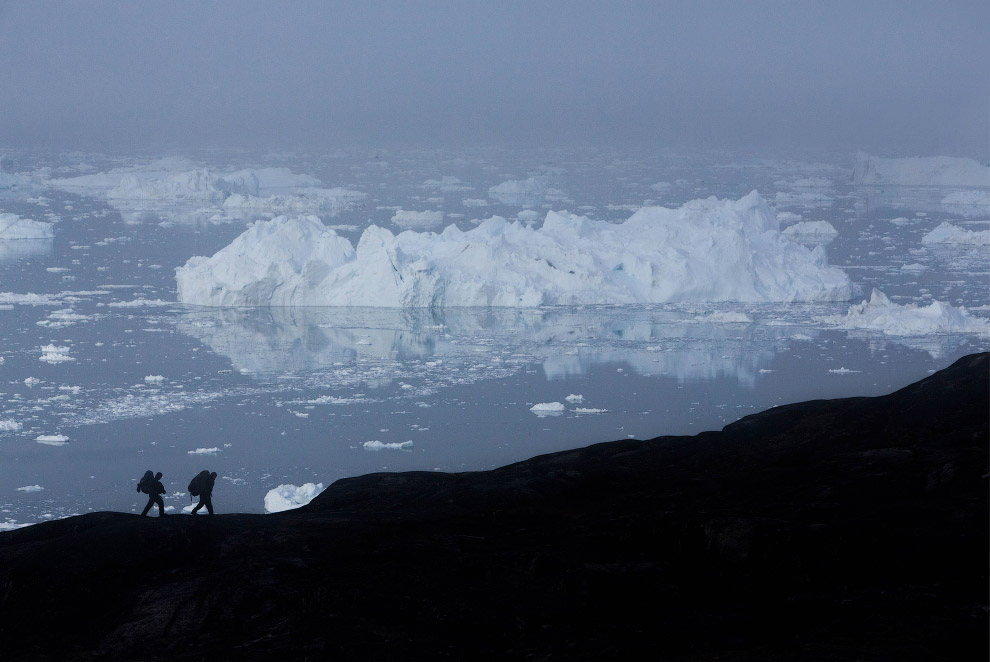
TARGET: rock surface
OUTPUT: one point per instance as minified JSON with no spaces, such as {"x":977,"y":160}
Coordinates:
{"x":828,"y":530}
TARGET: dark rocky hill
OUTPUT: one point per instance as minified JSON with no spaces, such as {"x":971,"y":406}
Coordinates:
{"x":853,"y":529}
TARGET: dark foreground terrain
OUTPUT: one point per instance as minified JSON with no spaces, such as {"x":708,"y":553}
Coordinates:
{"x":852,"y":529}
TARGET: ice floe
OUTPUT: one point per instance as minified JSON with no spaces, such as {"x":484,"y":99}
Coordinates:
{"x":54,"y":354}
{"x":52,"y":439}
{"x":288,"y":497}
{"x":880,"y":314}
{"x":706,"y":250}
{"x":375,"y":445}
{"x":7,"y":425}
{"x":204,"y":451}
{"x":30,"y":488}
{"x":520,"y":191}
{"x":919,"y":171}
{"x":947,"y":233}
{"x":548,"y":408}
{"x":970,"y":202}
{"x":14,"y":227}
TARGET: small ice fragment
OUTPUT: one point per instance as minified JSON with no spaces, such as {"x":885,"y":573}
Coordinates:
{"x":204,"y":451}
{"x":154,"y":379}
{"x":288,"y":497}
{"x":376,"y":445}
{"x":574,"y":398}
{"x":53,"y":439}
{"x":30,"y":488}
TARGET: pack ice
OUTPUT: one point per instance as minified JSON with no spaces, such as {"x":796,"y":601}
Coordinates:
{"x":706,"y":250}
{"x":919,"y":171}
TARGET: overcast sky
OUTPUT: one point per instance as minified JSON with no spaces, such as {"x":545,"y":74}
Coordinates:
{"x":898,"y":78}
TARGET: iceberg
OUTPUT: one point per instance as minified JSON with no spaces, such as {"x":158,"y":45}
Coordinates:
{"x":13,"y":226}
{"x":919,"y":171}
{"x":947,"y":233}
{"x":880,"y":314}
{"x":288,"y":497}
{"x":968,"y":202}
{"x":707,"y":250}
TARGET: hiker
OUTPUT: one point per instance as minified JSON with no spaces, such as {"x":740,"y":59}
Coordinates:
{"x":202,"y":486}
{"x":152,"y":486}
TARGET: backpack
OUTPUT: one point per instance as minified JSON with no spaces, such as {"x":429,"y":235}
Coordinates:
{"x":198,"y":483}
{"x":147,"y":480}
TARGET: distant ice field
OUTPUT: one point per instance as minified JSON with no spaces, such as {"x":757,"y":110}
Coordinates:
{"x":104,"y":375}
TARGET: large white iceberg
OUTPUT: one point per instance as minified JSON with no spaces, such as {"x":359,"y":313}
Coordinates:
{"x":881,"y":314}
{"x":13,"y":226}
{"x":287,"y":497}
{"x":947,"y":233}
{"x":919,"y":171}
{"x":707,"y":250}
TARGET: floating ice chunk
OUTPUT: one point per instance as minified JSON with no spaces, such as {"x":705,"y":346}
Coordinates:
{"x":528,"y":216}
{"x":53,"y":439}
{"x":288,"y":497}
{"x":574,"y":398}
{"x":919,"y":171}
{"x":7,"y":425}
{"x":814,"y":230}
{"x":154,"y":379}
{"x":31,"y":381}
{"x":900,"y":220}
{"x":30,"y":488}
{"x":707,"y":250}
{"x":204,"y":451}
{"x":13,"y":227}
{"x":880,"y":314}
{"x":842,"y":371}
{"x":548,"y":409}
{"x":913,"y":267}
{"x":520,"y":191}
{"x":947,"y":233}
{"x":53,"y":354}
{"x":376,"y":445}
{"x":585,"y":410}
{"x":419,"y":219}
{"x":474,"y":202}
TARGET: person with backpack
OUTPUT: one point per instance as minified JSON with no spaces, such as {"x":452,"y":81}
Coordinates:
{"x":202,"y":486}
{"x":152,"y":486}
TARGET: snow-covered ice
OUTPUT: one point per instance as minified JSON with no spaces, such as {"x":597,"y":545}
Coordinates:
{"x":812,"y":231}
{"x":55,"y":354}
{"x":707,"y":250}
{"x":417,"y":219}
{"x":204,"y":451}
{"x":880,"y":314}
{"x":520,"y":191}
{"x":30,"y":488}
{"x":7,"y":425}
{"x":548,"y":408}
{"x":947,"y":233}
{"x":288,"y":497}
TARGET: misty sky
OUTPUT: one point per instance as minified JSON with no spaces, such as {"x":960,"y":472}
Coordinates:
{"x":898,"y":78}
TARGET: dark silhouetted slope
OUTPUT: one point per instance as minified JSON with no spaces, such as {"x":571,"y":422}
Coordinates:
{"x":829,"y":530}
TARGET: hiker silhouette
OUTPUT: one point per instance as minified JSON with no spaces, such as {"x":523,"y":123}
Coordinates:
{"x":152,"y":486}
{"x":202,"y":486}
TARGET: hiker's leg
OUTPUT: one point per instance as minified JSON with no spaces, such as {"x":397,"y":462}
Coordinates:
{"x":161,"y":504}
{"x":209,"y":504}
{"x":151,"y":500}
{"x":198,"y":505}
